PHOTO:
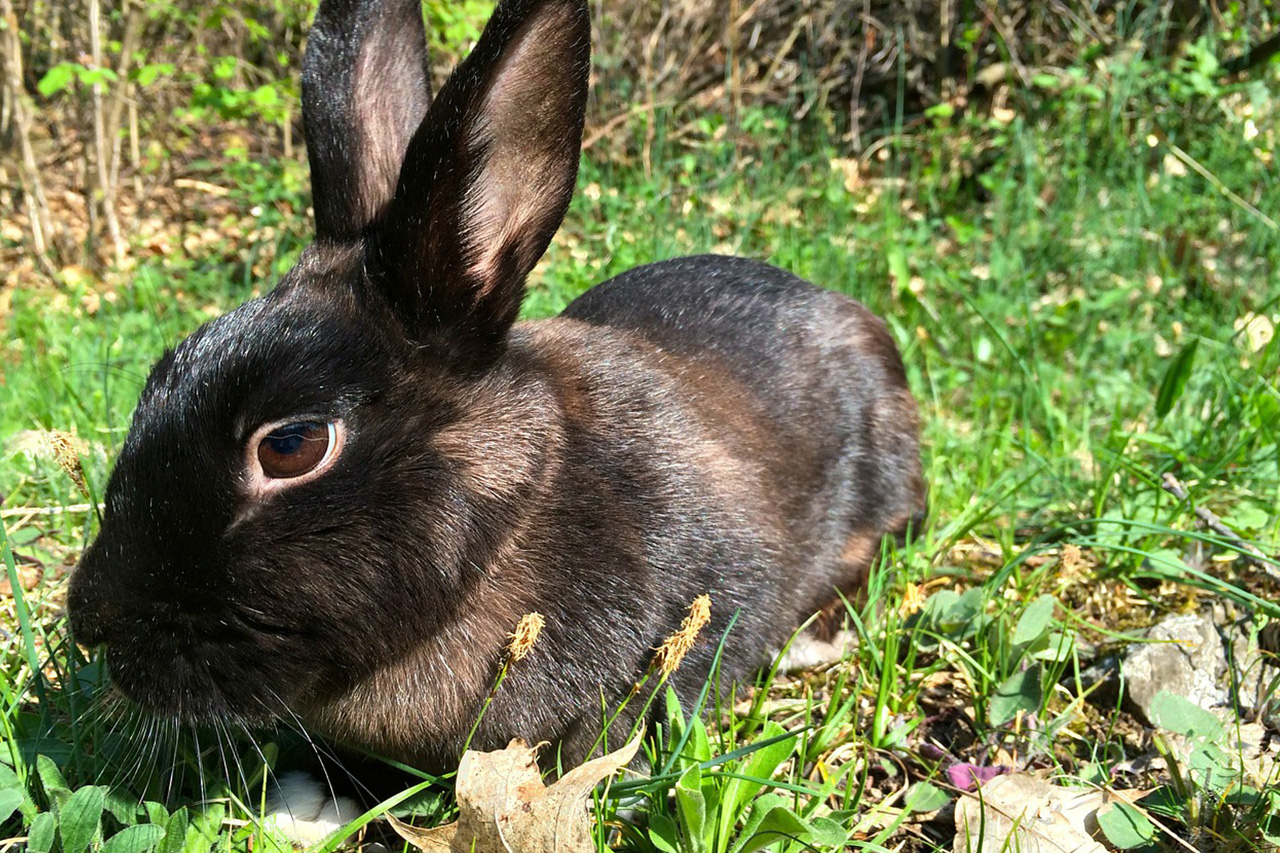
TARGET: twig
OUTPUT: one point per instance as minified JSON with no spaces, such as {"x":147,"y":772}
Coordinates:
{"x":732,"y":46}
{"x":993,"y":16}
{"x":41,"y":224}
{"x":1194,"y":165}
{"x":34,"y":511}
{"x":1252,"y":57}
{"x":612,"y":124}
{"x":105,"y":190}
{"x":856,"y":109}
{"x":1252,"y":553}
{"x":203,"y":186}
{"x":121,"y":94}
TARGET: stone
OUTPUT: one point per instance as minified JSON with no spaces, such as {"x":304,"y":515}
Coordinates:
{"x":1184,"y":654}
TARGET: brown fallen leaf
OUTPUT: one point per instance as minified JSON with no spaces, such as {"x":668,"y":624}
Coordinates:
{"x":1023,"y":812}
{"x":28,"y":577}
{"x":503,"y":806}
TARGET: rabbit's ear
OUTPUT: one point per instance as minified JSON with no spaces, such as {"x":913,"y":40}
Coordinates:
{"x":366,"y":86}
{"x":488,"y":176}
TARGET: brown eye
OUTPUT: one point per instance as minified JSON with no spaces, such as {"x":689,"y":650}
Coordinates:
{"x":292,"y":450}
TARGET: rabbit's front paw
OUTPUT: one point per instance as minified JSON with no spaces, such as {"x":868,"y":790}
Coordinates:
{"x":810,"y":652}
{"x":302,"y":809}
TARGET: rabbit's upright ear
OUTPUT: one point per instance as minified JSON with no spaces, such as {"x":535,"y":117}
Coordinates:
{"x":366,"y":86}
{"x":488,"y":176}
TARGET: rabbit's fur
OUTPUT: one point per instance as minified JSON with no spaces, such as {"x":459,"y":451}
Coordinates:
{"x":704,"y":425}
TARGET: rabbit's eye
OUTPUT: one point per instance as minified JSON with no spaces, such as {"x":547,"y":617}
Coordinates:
{"x":294,"y":449}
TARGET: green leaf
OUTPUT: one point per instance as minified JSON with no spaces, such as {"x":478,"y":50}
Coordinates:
{"x":1246,"y":796}
{"x":93,"y":76}
{"x":675,"y":713}
{"x":1247,"y":516}
{"x":9,"y":778}
{"x":11,"y":781}
{"x":1212,"y":766}
{"x":1175,"y":378}
{"x":1056,"y":647}
{"x":1125,"y":826}
{"x":691,"y":808}
{"x":56,"y":79}
{"x":1034,"y":622}
{"x":55,"y":787}
{"x":827,"y":832}
{"x":699,"y":746}
{"x":156,"y":813}
{"x":760,"y":766}
{"x":80,"y":818}
{"x":122,"y":806}
{"x":175,"y":832}
{"x":42,"y":832}
{"x":224,"y":67}
{"x":135,"y":839}
{"x":1166,"y":801}
{"x":662,"y":833}
{"x":952,"y":614}
{"x":1167,"y":563}
{"x":759,"y":809}
{"x":923,"y":797}
{"x":265,"y":96}
{"x":1175,"y":713}
{"x":1019,"y":692}
{"x":204,"y":829}
{"x":771,"y":820}
{"x":148,"y":74}
{"x":10,"y":800}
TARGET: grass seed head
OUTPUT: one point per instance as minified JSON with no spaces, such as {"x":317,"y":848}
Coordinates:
{"x":524,"y":636}
{"x":913,"y":599}
{"x":676,"y":646}
{"x":66,"y":450}
{"x":1071,"y":562}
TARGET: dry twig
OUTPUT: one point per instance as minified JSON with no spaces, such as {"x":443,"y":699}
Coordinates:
{"x":1249,"y":552}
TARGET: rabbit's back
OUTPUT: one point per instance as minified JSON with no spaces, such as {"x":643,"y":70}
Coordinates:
{"x":810,"y":380}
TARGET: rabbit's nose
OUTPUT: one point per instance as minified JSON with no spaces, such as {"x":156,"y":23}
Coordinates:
{"x":88,"y":611}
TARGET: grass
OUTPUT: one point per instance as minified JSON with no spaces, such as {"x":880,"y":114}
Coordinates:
{"x":1076,"y":286}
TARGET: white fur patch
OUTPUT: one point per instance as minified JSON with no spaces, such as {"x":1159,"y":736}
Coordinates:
{"x":807,"y":652}
{"x":301,"y":810}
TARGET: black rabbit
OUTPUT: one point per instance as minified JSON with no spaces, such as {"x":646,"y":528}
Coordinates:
{"x":336,"y":501}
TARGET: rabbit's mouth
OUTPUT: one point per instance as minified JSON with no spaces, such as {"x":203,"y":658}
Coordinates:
{"x":197,"y":667}
{"x":202,"y":683}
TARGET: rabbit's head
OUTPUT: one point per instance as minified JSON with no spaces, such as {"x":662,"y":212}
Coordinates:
{"x":291,"y":500}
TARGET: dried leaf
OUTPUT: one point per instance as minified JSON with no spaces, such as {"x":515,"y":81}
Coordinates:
{"x":505,"y":808}
{"x":28,"y":577}
{"x":1023,"y":812}
{"x":434,"y":840}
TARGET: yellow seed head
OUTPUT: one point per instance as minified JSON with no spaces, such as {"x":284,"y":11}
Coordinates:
{"x":676,"y":646}
{"x":66,"y":450}
{"x":912,"y":600}
{"x":524,"y":636}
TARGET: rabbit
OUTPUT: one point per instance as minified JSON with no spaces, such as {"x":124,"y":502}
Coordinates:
{"x":335,"y":502}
